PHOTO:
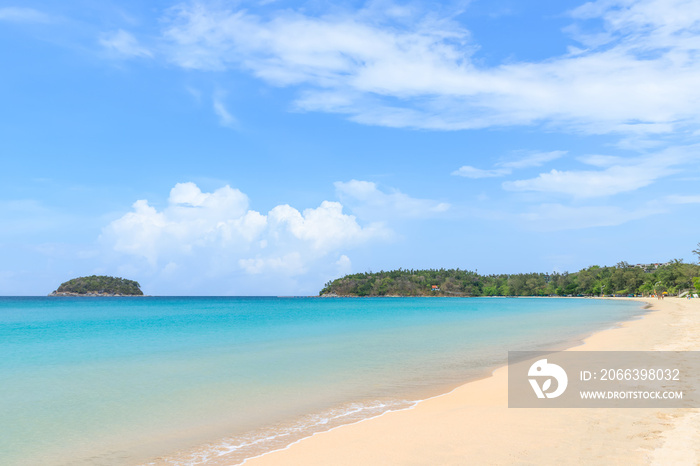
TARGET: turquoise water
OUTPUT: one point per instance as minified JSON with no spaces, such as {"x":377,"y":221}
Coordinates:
{"x":123,"y":380}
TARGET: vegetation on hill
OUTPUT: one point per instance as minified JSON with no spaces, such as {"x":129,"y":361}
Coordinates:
{"x":622,"y":279}
{"x":100,"y":284}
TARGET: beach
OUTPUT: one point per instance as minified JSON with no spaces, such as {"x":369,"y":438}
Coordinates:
{"x":190,"y":380}
{"x":473,"y":425}
{"x":220,"y":381}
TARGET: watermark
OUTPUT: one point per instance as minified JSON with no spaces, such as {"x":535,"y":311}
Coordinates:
{"x":543,"y":369}
{"x":604,"y":379}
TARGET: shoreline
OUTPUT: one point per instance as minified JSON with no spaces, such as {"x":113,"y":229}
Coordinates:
{"x":70,"y":294}
{"x":227,"y":450}
{"x":421,"y":434}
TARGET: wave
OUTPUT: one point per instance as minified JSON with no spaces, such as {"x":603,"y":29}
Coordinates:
{"x":237,"y":449}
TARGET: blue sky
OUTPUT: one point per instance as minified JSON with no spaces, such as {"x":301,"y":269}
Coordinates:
{"x":263,"y":148}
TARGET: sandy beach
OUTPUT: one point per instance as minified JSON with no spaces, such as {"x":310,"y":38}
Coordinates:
{"x":473,"y":425}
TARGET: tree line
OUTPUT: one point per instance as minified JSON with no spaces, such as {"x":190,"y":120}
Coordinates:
{"x":623,"y":279}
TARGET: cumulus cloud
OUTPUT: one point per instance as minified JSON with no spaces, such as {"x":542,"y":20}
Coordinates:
{"x":324,"y":228}
{"x":124,"y":44}
{"x":217,"y":232}
{"x":636,"y":74}
{"x":506,"y":168}
{"x":369,"y":202}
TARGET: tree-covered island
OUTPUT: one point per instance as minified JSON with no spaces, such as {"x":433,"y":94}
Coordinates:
{"x":98,"y":285}
{"x":675,"y":277}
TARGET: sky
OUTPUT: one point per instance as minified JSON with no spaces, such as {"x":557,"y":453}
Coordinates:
{"x":266,"y":147}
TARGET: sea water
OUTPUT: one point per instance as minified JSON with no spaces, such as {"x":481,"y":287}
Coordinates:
{"x":122,"y":381}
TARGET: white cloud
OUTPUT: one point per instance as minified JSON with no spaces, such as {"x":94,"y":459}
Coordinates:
{"x":225,"y":117}
{"x":468,"y":171}
{"x":124,"y":44}
{"x":369,"y":202}
{"x":601,"y":160}
{"x":344,"y":265}
{"x":506,"y":168}
{"x":23,"y":15}
{"x":216,"y":233}
{"x":619,"y":176}
{"x":226,"y":198}
{"x":536,"y":159}
{"x":637,"y":77}
{"x":138,"y":232}
{"x":324,"y":228}
{"x":584,"y":184}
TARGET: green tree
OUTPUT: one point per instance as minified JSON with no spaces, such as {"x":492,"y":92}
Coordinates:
{"x":100,"y":284}
{"x":623,"y":278}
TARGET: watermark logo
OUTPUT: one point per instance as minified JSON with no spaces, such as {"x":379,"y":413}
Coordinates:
{"x":603,"y":379}
{"x":541,"y":369}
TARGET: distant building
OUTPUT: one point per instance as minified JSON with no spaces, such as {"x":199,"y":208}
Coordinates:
{"x":649,"y":268}
{"x":435,"y":288}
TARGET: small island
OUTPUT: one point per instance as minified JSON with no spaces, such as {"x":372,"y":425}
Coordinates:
{"x":98,"y":285}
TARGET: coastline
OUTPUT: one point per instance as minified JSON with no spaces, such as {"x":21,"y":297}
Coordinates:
{"x":473,"y":423}
{"x":70,"y":294}
{"x":229,"y":449}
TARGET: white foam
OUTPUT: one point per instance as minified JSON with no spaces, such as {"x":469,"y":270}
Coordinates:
{"x":241,"y":448}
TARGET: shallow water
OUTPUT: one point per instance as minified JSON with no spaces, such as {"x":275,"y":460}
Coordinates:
{"x":121,"y":380}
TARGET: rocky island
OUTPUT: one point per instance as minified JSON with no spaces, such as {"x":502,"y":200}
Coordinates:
{"x":98,"y":285}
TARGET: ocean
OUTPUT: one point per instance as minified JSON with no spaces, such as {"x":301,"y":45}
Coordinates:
{"x":185,"y":380}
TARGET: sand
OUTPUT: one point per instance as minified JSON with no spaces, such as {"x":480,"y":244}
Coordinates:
{"x":473,"y":425}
